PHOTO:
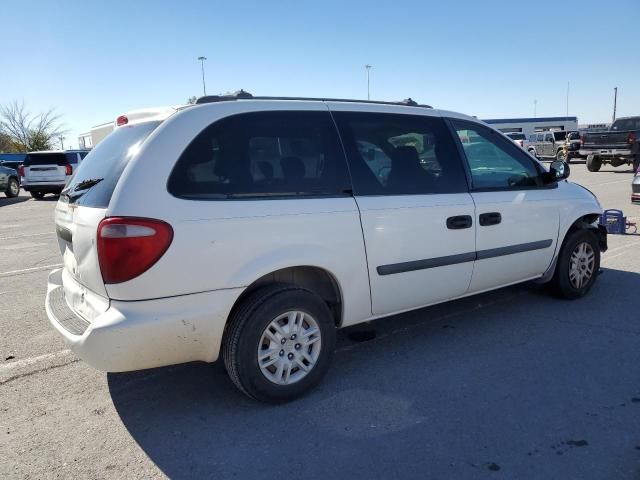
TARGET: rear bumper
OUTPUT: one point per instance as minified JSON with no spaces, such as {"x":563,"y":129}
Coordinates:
{"x":44,"y":187}
{"x":143,"y":334}
{"x":635,"y":190}
{"x":606,"y":152}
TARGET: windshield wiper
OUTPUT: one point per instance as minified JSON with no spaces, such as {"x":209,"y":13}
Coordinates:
{"x":86,"y":184}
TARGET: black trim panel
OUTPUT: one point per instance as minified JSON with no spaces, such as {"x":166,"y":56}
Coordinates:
{"x":511,"y":249}
{"x":461,"y":258}
{"x":427,"y":263}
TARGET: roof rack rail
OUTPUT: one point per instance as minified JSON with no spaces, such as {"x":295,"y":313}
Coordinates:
{"x":243,"y":95}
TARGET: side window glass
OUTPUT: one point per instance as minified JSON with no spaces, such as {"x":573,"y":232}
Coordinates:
{"x":394,"y":154}
{"x":263,"y":154}
{"x":71,"y":158}
{"x":493,"y":161}
{"x":548,"y":137}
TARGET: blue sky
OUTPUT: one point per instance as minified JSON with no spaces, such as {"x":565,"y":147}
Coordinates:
{"x":94,"y":60}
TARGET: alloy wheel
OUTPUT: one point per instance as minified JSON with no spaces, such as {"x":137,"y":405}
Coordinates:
{"x":581,"y":265}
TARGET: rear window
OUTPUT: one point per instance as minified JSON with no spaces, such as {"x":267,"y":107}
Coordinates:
{"x":105,"y":163}
{"x":626,"y":124}
{"x":516,"y":136}
{"x":560,"y":136}
{"x":45,"y":159}
{"x":263,"y":154}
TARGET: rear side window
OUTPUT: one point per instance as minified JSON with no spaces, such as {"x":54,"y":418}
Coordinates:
{"x":34,"y":159}
{"x":391,"y":154}
{"x":104,"y":165}
{"x":263,"y":154}
{"x":72,"y":157}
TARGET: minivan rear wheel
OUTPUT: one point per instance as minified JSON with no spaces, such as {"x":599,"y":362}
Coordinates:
{"x":279,"y":343}
{"x":37,"y":195}
{"x":578,"y":265}
{"x":13,"y":188}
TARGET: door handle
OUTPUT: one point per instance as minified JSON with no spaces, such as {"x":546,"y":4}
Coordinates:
{"x":490,"y":218}
{"x":459,"y":222}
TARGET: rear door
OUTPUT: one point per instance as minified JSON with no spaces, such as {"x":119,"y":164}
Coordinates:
{"x":82,"y":205}
{"x":516,"y":215}
{"x":415,"y":209}
{"x":45,"y":167}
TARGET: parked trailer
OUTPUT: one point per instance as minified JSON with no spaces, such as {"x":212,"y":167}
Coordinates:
{"x":529,"y":126}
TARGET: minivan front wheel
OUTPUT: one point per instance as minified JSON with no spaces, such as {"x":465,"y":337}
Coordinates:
{"x":279,"y":343}
{"x":13,"y":189}
{"x":578,"y":265}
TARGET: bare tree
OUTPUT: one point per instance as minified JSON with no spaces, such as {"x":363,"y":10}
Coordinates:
{"x":191,"y":100}
{"x":30,"y":132}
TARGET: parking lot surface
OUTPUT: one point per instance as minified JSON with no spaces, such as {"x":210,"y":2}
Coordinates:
{"x":509,"y":384}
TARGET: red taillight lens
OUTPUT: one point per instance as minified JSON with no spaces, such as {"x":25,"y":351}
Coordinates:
{"x":581,"y":140}
{"x":128,"y":247}
{"x":631,"y":139}
{"x":21,"y":170}
{"x":68,"y":169}
{"x":121,"y":120}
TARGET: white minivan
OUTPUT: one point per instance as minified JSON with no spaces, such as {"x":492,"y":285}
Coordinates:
{"x":49,"y":171}
{"x":252,"y":228}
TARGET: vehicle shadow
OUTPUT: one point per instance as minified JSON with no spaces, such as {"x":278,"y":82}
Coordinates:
{"x":435,"y":387}
{"x":4,"y":202}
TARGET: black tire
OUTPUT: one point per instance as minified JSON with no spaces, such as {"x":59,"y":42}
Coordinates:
{"x":532,"y":152}
{"x":37,"y":195}
{"x":636,"y":163}
{"x":561,"y":156}
{"x":594,"y":163}
{"x":13,"y":188}
{"x":248,"y":323}
{"x":561,"y":284}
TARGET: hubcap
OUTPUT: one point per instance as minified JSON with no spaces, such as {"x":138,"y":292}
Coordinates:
{"x":581,"y":265}
{"x":14,"y":187}
{"x":289,"y":348}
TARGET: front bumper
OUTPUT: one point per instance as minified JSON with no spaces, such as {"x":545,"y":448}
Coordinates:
{"x":143,"y":334}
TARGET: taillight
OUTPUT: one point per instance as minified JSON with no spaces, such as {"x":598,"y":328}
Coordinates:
{"x":581,"y":140}
{"x":631,"y":139}
{"x":21,"y":170}
{"x":68,"y":169}
{"x":121,"y":120}
{"x":129,"y":246}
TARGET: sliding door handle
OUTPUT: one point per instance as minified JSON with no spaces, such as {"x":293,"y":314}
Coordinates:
{"x":459,"y":222}
{"x":490,"y":218}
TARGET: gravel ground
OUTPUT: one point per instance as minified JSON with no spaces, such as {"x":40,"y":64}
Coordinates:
{"x":510,"y":384}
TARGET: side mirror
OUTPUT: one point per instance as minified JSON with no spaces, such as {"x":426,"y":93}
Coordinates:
{"x":559,"y":170}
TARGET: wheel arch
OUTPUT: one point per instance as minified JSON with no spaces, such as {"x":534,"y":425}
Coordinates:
{"x":311,"y":277}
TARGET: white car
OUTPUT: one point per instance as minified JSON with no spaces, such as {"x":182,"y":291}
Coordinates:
{"x":518,"y":138}
{"x":251,"y":229}
{"x":49,"y":171}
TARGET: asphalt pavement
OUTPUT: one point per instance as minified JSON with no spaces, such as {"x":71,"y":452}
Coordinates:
{"x":508,"y":384}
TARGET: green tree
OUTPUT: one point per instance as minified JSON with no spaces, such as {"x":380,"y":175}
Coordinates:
{"x":29,"y":132}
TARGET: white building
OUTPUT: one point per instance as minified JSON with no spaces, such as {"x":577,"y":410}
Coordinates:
{"x":95,"y":135}
{"x":529,"y":126}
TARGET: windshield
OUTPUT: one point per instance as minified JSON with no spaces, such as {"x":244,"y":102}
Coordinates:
{"x":98,"y":174}
{"x":574,"y":136}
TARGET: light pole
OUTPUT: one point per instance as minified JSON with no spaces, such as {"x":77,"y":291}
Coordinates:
{"x":204,"y":87}
{"x":568,"y":84}
{"x":615,"y":103}
{"x":368,"y":69}
{"x":535,"y":104}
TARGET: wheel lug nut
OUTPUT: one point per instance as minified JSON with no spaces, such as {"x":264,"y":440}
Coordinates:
{"x":281,"y":353}
{"x":290,"y":356}
{"x":293,"y":337}
{"x":283,"y":341}
{"x":297,"y":346}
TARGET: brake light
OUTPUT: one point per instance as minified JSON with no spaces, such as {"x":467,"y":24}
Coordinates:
{"x":631,"y":139}
{"x":129,"y":246}
{"x":581,"y":140}
{"x":21,"y":170}
{"x":68,"y":169}
{"x":122,"y":120}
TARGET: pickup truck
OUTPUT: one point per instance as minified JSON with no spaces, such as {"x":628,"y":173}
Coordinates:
{"x":617,"y":146}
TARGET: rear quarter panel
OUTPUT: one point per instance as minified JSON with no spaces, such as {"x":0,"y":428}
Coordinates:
{"x":221,"y":244}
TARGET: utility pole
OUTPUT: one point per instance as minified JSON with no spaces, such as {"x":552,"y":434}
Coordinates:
{"x":204,"y":87}
{"x":535,"y":104}
{"x":61,"y":142}
{"x":615,"y":102}
{"x":368,"y":68}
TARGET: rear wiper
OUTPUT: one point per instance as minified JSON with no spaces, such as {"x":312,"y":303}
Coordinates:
{"x":86,"y":184}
